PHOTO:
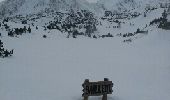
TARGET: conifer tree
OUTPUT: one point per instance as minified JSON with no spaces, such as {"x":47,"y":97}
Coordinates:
{"x":164,"y":14}
{"x":29,"y":29}
{"x":1,"y":48}
{"x":3,"y":52}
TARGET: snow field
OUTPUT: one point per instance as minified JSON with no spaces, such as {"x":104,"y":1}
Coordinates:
{"x":54,"y":69}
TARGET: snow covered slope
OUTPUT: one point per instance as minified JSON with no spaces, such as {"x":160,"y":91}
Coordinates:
{"x":10,"y":7}
{"x":117,"y":4}
{"x":54,"y":68}
{"x":126,"y":5}
{"x":13,"y":7}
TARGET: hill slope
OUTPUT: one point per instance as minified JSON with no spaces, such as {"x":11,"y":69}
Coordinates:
{"x":13,"y":7}
{"x":54,"y":68}
{"x":123,"y":47}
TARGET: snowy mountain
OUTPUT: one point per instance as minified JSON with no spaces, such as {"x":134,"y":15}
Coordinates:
{"x":117,"y":4}
{"x":126,"y":5}
{"x":48,"y":48}
{"x":10,"y":7}
{"x":81,"y":16}
{"x":14,"y":7}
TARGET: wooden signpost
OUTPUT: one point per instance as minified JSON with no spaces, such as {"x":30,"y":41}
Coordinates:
{"x":97,"y":88}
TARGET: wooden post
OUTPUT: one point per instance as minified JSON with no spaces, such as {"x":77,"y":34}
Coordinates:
{"x":105,"y":94}
{"x":104,"y":97}
{"x":86,"y":81}
{"x":85,"y":97}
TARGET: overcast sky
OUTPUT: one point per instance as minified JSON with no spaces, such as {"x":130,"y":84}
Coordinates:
{"x":87,"y":0}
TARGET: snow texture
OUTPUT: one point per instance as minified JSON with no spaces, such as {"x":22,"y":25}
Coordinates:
{"x":55,"y":67}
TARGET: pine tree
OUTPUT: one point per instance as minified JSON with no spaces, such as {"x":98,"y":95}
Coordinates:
{"x":138,"y":30}
{"x":24,"y":29}
{"x":163,"y":21}
{"x":17,"y":31}
{"x":3,"y":52}
{"x":144,"y":14}
{"x":1,"y":46}
{"x":164,"y":14}
{"x":29,"y":29}
{"x":36,"y":27}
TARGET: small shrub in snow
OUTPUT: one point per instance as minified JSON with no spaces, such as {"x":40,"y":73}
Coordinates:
{"x":3,"y":52}
{"x":24,"y":22}
{"x":94,"y":36}
{"x":44,"y":36}
{"x":18,"y":31}
{"x":128,"y":40}
{"x":108,"y":35}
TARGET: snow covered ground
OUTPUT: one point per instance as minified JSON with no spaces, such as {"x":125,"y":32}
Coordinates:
{"x":55,"y":68}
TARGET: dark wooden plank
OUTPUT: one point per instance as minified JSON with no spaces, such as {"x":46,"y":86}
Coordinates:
{"x":97,"y":88}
